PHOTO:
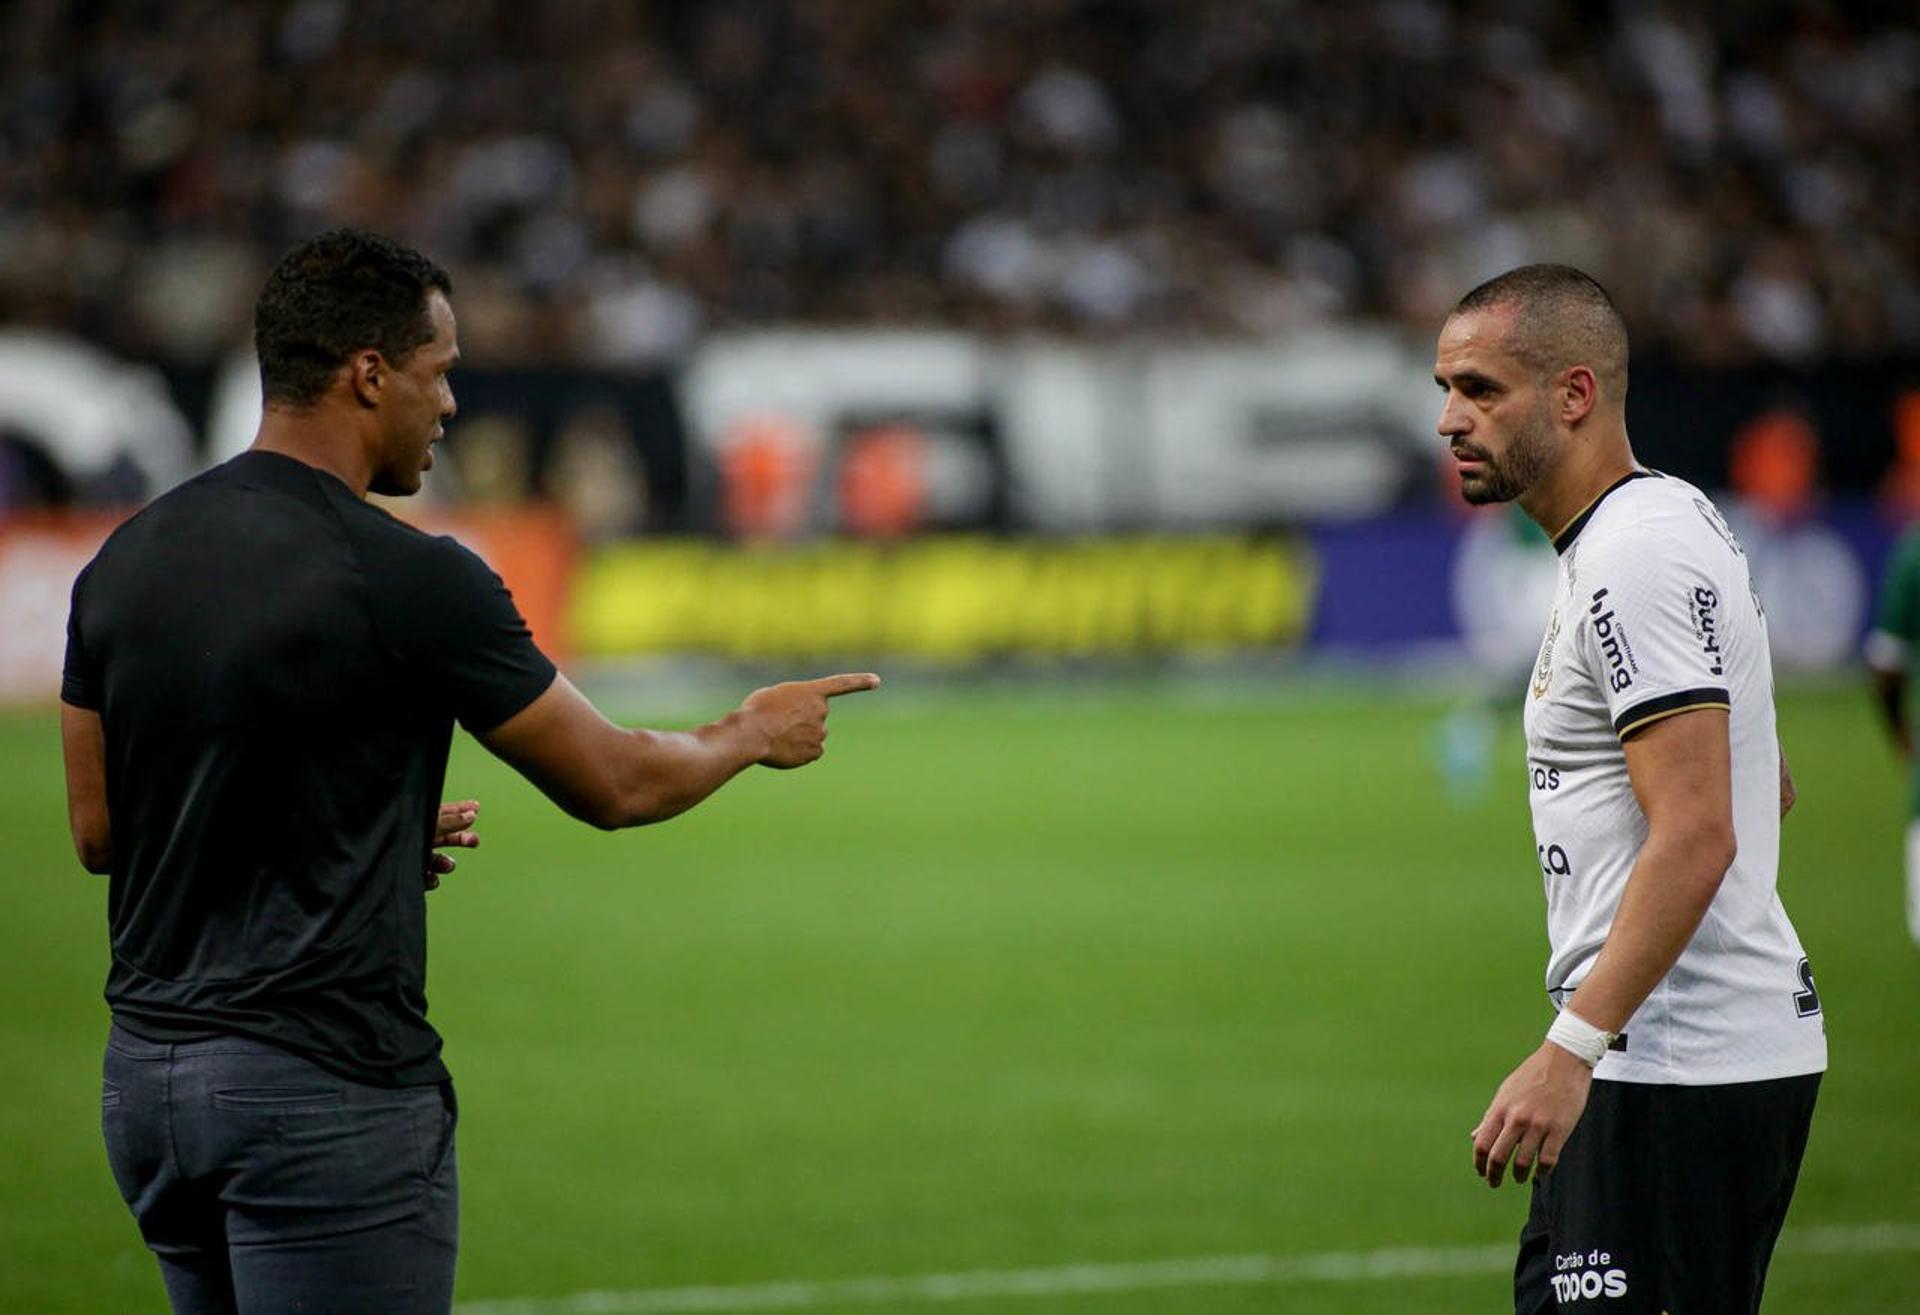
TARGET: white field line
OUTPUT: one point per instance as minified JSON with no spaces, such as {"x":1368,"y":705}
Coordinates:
{"x":1209,"y":1271}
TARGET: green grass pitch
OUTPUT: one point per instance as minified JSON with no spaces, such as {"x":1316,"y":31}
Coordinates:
{"x":1010,"y":980}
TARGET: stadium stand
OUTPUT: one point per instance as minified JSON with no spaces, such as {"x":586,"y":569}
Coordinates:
{"x":613,"y":179}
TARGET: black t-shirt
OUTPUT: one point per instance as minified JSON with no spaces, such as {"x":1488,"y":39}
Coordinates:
{"x":278,"y":666}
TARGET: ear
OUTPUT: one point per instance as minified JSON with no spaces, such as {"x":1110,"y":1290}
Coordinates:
{"x":1579,"y":393}
{"x":367,"y":373}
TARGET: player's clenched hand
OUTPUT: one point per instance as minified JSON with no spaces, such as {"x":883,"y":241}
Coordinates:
{"x":794,"y":715}
{"x":452,"y":829}
{"x":1532,"y":1115}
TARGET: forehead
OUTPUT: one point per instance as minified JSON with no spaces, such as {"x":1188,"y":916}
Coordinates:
{"x":1480,"y":338}
{"x":440,"y":316}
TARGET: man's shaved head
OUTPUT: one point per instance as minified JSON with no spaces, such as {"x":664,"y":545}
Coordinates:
{"x":1562,"y":318}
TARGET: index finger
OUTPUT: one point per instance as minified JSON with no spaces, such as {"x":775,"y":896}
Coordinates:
{"x":845,"y":683}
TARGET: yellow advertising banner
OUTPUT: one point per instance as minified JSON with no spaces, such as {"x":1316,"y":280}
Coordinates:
{"x":947,"y":598}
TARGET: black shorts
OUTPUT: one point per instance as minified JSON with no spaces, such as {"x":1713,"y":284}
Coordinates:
{"x":1666,"y":1199}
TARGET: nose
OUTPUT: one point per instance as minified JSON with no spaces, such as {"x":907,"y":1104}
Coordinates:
{"x":1453,"y":420}
{"x":448,"y":407}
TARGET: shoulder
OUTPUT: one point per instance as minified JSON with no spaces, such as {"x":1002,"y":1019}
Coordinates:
{"x":231,"y":491}
{"x":1656,"y":525}
{"x":403,"y":561}
{"x":132,"y":538}
{"x":444,"y":611}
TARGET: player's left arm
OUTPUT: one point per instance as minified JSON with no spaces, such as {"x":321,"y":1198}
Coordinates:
{"x":1682,"y":774}
{"x":83,"y":743}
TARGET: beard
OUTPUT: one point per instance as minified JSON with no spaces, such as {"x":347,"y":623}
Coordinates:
{"x":1505,"y":477}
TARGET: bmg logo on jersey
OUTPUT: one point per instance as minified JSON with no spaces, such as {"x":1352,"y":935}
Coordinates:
{"x":1586,"y":1276}
{"x":1613,"y":643}
{"x":1704,"y":606}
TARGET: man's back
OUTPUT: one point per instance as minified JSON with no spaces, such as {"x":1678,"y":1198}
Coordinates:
{"x":278,"y":666}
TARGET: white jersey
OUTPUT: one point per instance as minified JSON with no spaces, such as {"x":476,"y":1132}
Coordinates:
{"x":1655,"y":614}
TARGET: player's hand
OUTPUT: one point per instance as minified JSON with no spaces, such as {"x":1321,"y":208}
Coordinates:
{"x":794,"y":715}
{"x":1532,"y":1115}
{"x":453,"y":829}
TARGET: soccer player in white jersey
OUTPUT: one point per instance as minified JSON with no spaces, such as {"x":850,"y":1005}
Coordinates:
{"x":1672,"y":1096}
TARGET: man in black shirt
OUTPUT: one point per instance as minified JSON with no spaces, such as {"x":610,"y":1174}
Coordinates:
{"x":262,"y":677}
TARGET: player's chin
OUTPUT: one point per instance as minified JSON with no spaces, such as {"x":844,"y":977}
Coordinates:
{"x":1478,"y":492}
{"x":394,"y":484}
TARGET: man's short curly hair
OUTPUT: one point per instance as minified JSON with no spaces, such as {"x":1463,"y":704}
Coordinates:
{"x":333,"y":295}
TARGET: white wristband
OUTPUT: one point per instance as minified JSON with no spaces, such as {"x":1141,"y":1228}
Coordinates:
{"x":1575,"y":1034}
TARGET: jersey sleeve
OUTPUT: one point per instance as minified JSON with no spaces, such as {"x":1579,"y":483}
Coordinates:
{"x":1654,"y":628}
{"x":1896,"y":622}
{"x":80,"y":675}
{"x":453,"y":621}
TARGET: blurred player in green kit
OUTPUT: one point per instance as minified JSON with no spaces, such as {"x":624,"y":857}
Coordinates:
{"x":1896,"y":630}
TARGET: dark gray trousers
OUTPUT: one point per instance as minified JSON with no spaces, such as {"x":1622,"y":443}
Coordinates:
{"x":267,"y":1185}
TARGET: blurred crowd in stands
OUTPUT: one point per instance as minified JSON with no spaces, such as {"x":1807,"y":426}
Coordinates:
{"x":609,"y":180}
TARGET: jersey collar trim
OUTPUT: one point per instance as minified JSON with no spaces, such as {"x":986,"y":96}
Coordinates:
{"x":1571,"y":530}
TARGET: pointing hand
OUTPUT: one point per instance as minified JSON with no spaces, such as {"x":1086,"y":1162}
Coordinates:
{"x":794,"y":715}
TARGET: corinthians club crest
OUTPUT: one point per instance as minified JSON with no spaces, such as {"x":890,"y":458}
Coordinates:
{"x":1543,"y":670}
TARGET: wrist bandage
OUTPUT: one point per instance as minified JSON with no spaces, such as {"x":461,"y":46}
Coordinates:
{"x":1573,"y":1033}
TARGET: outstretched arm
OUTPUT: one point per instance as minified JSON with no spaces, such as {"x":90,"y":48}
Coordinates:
{"x":614,"y":776}
{"x":1681,"y":770}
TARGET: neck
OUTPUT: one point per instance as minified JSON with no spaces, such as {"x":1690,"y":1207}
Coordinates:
{"x":318,"y":438}
{"x":1591,"y":465}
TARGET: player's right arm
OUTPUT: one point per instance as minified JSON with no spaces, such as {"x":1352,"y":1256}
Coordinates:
{"x":615,"y":776}
{"x":1680,"y":768}
{"x":83,"y":743}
